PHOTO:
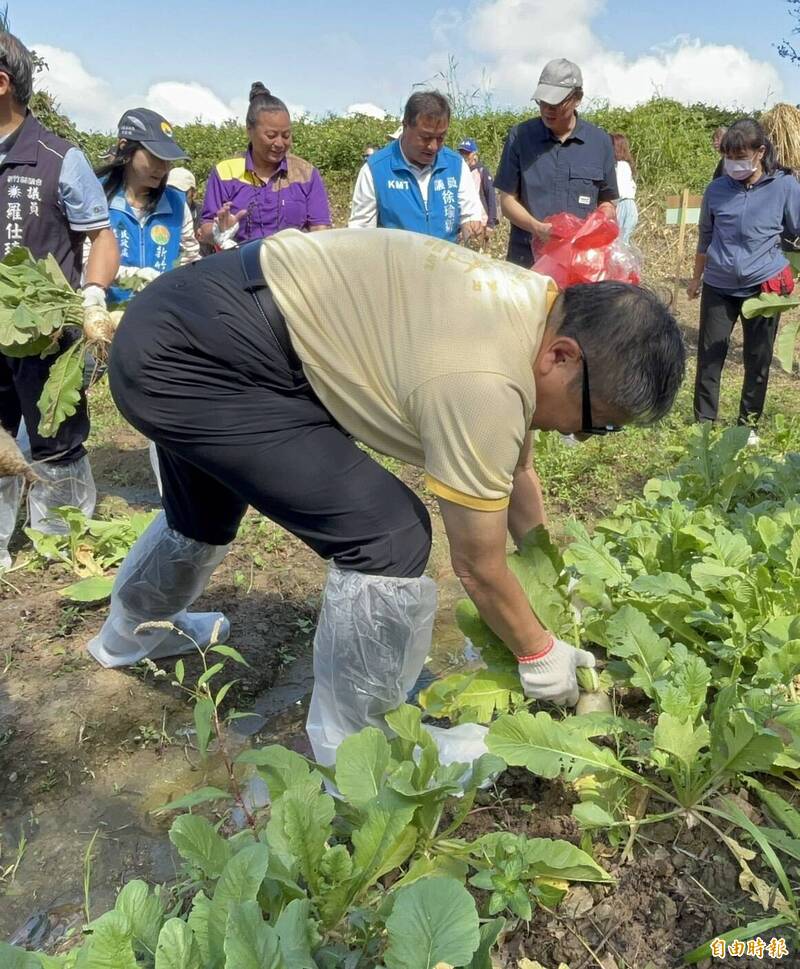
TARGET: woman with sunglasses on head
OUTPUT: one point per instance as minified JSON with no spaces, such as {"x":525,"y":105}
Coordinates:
{"x":268,"y":188}
{"x":152,"y":222}
{"x":745,"y":214}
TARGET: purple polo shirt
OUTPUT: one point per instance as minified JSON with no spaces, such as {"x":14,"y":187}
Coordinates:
{"x":294,"y":198}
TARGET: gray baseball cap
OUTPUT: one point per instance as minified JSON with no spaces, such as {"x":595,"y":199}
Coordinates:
{"x":557,"y":81}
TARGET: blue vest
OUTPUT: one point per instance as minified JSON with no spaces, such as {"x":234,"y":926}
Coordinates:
{"x":156,"y":244}
{"x":400,"y":202}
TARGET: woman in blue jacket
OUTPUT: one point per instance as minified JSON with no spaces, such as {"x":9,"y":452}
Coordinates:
{"x":151,"y":221}
{"x":745,"y":213}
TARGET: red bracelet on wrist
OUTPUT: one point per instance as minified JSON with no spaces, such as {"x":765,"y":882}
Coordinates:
{"x":540,"y":655}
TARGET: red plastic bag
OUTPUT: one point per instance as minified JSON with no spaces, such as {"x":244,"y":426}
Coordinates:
{"x":585,"y":251}
{"x":782,"y":283}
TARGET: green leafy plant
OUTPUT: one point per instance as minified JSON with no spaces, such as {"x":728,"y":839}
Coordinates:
{"x":709,"y":558}
{"x":477,"y":695}
{"x":771,"y":304}
{"x":89,"y":548}
{"x":370,"y":877}
{"x":42,"y":315}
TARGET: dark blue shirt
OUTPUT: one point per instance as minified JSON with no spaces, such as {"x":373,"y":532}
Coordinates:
{"x":549,"y":176}
{"x":741,"y":227}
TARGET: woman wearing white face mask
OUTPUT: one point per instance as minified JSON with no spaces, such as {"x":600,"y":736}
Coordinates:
{"x":745,"y":213}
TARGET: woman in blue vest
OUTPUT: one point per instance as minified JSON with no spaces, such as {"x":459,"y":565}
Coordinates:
{"x":151,"y":221}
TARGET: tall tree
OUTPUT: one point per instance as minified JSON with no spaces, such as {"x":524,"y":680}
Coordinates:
{"x":786,"y":48}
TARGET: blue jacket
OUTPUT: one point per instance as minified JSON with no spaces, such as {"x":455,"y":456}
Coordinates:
{"x":400,"y":202}
{"x":741,"y":228}
{"x":156,"y":244}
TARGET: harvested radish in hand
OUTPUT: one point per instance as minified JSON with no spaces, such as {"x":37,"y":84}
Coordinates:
{"x":592,"y":698}
{"x":12,"y":461}
{"x":98,"y":325}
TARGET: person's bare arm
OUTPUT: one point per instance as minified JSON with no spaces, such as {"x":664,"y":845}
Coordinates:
{"x":693,"y":289}
{"x":102,"y":262}
{"x":526,"y":509}
{"x":518,"y":215}
{"x":205,"y":234}
{"x":478,"y":554}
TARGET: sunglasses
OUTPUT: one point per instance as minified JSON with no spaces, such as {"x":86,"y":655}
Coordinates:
{"x":587,"y":427}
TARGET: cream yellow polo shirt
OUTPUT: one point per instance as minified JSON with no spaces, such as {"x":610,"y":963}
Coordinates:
{"x":419,"y":348}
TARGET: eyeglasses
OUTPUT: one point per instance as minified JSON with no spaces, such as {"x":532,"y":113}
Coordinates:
{"x":587,"y":427}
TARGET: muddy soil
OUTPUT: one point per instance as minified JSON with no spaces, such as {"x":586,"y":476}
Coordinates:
{"x":85,"y":750}
{"x":678,"y":888}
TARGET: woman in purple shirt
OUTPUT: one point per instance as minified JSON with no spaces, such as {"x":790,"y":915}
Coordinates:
{"x":267,"y":189}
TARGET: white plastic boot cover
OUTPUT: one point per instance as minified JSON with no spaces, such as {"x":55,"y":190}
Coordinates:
{"x":62,"y":484}
{"x":162,"y":574}
{"x":154,"y":465}
{"x":10,"y":494}
{"x":373,"y":637}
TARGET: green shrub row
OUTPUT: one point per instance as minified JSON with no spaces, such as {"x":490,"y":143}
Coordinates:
{"x":671,"y":142}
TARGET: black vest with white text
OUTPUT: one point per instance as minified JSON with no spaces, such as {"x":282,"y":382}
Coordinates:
{"x":30,"y":214}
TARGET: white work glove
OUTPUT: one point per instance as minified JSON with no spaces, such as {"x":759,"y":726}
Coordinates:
{"x":550,"y":674}
{"x":93,"y":295}
{"x":224,"y":238}
{"x":142,"y":272}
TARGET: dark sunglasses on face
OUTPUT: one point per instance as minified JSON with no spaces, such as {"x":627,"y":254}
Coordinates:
{"x":587,"y":427}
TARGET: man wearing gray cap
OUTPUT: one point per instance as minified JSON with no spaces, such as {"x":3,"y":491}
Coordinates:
{"x":555,"y":163}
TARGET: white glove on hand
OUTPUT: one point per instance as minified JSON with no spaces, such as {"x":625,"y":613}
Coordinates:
{"x":142,"y":272}
{"x":224,"y":238}
{"x":551,"y":676}
{"x":93,"y":295}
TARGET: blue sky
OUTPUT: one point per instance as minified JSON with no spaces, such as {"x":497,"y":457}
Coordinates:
{"x":200,"y":58}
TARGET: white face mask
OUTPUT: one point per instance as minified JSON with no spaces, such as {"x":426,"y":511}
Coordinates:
{"x":739,"y":168}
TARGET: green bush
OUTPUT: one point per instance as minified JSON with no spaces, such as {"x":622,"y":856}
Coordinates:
{"x":671,"y":142}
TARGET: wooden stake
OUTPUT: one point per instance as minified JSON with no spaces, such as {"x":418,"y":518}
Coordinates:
{"x":681,"y":242}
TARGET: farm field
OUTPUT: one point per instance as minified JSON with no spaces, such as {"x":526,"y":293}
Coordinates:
{"x":89,"y":753}
{"x":656,"y":824}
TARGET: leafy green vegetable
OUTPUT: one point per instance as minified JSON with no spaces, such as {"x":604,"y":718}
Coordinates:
{"x":432,"y":922}
{"x":177,"y":947}
{"x":199,"y":844}
{"x":61,"y":393}
{"x":96,"y":588}
{"x":768,"y":304}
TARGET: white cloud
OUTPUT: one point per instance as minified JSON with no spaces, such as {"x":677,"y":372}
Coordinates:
{"x":515,"y":38}
{"x":183,"y":103}
{"x":86,"y":99}
{"x":93,"y":104}
{"x":366,"y":108}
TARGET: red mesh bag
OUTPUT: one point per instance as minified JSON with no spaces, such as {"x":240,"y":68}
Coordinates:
{"x":585,"y":251}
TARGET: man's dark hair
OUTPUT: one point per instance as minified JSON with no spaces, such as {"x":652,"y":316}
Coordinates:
{"x":634,"y":349}
{"x":426,"y":104}
{"x":262,"y":99}
{"x":16,"y":61}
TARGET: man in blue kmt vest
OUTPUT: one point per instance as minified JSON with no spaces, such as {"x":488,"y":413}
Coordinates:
{"x":415,"y":183}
